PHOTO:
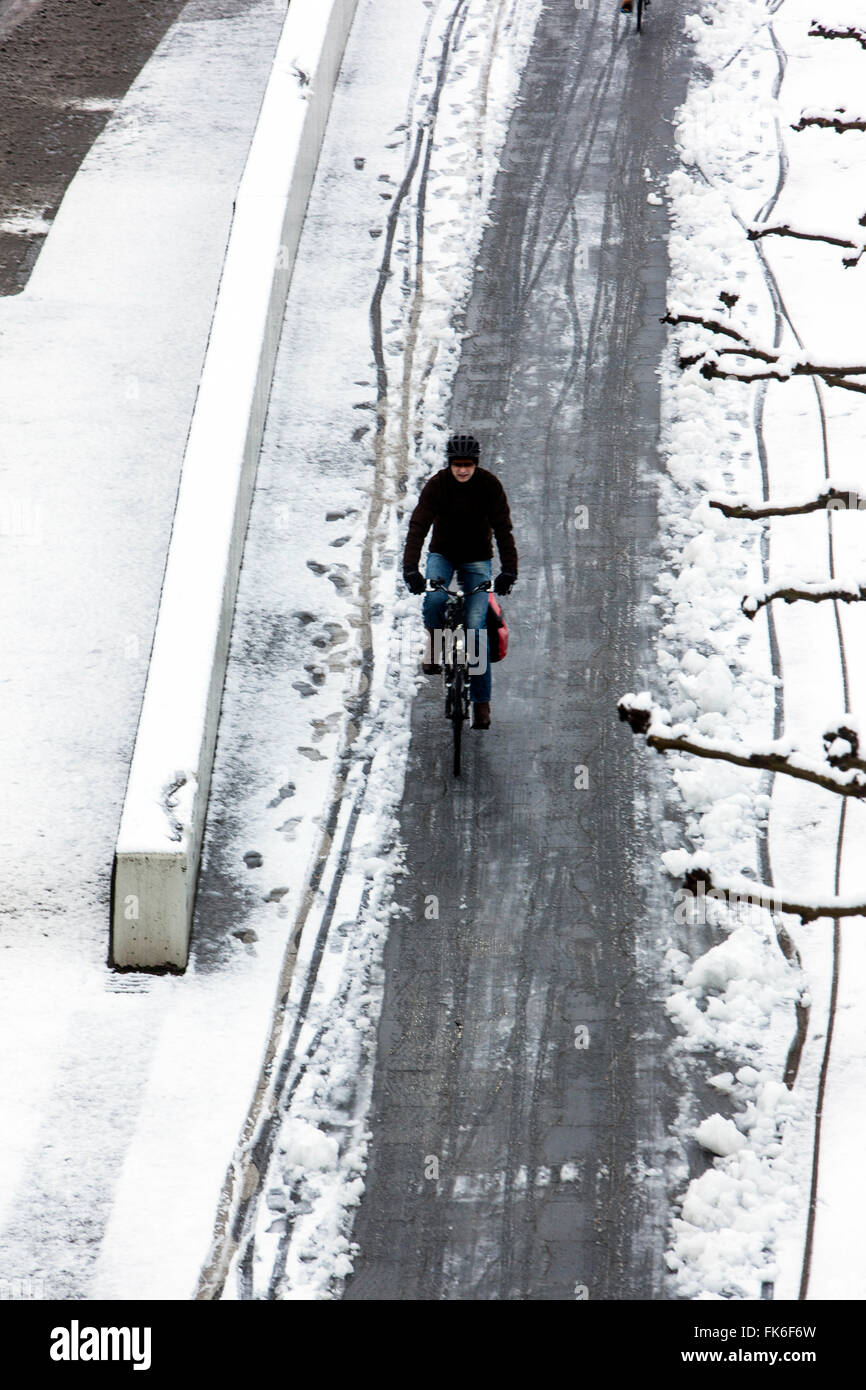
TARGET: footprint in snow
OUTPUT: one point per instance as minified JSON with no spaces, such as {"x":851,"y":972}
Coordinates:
{"x":316,"y":566}
{"x":284,"y":792}
{"x":304,"y":689}
{"x":313,"y":754}
{"x":253,"y":859}
{"x":323,"y":726}
{"x":289,"y":828}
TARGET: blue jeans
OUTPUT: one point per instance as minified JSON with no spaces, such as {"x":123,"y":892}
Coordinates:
{"x":468,"y":575}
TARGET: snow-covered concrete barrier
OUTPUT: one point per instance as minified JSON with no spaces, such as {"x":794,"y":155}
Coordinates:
{"x":160,"y":836}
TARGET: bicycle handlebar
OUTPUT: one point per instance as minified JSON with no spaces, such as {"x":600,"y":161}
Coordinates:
{"x":440,"y":584}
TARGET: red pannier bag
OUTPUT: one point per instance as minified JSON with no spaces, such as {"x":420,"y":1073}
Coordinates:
{"x":497,"y":630}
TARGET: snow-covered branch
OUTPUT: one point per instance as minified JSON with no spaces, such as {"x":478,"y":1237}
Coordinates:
{"x":781,"y":366}
{"x":832,"y":376}
{"x":833,"y":498}
{"x":851,"y":31}
{"x":735,"y":889}
{"x":700,"y":321}
{"x":842,"y":746}
{"x":649,"y":719}
{"x":818,"y":592}
{"x":755,"y":233}
{"x":837,"y":120}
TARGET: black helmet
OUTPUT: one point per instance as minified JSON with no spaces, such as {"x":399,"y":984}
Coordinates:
{"x":463,"y":446}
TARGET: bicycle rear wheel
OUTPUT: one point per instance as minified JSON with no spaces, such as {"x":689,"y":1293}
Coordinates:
{"x":457,"y":716}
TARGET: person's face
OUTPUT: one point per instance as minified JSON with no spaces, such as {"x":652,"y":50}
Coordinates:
{"x":462,"y":469}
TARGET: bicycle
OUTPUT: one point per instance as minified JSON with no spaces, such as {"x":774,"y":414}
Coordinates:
{"x":455,"y":660}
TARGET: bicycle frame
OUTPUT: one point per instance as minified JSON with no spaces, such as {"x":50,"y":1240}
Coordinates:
{"x":455,"y":659}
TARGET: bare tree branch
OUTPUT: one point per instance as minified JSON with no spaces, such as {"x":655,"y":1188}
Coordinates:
{"x":842,"y":748}
{"x":651,"y":720}
{"x":699,"y":879}
{"x":836,"y":122}
{"x":754,"y":233}
{"x":822,"y":31}
{"x":833,"y":376}
{"x":735,"y":507}
{"x":797,"y":367}
{"x":782,"y":366}
{"x":819,"y":592}
{"x":712,"y":324}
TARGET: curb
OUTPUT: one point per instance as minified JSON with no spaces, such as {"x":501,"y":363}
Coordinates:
{"x":162,"y":823}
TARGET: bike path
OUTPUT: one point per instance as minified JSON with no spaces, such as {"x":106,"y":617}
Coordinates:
{"x":520,"y":1102}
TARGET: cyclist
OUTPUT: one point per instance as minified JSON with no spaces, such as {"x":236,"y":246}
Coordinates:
{"x":466,"y":506}
{"x":625,"y":7}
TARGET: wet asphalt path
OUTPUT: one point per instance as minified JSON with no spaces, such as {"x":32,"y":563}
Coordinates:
{"x":519,"y":1083}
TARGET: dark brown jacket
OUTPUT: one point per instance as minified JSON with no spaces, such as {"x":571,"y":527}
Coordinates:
{"x":465,"y":517}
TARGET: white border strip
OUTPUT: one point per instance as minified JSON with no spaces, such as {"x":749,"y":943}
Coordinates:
{"x":162,"y":824}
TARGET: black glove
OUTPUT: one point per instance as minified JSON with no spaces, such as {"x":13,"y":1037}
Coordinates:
{"x":414,"y":580}
{"x":504,"y":582}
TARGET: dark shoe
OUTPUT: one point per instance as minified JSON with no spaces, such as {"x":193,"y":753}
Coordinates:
{"x":481,"y":715}
{"x":431,"y":668}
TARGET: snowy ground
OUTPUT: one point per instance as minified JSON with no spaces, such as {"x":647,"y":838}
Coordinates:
{"x":100,"y":363}
{"x":789,"y":672}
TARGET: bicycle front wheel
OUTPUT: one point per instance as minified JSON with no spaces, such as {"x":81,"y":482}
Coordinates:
{"x":639,"y":9}
{"x":457,"y":715}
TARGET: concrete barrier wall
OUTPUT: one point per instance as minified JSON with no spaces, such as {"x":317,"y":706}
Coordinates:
{"x":162,"y":824}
